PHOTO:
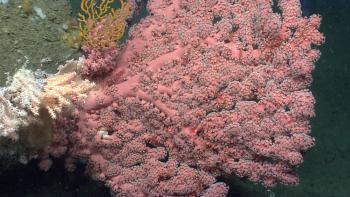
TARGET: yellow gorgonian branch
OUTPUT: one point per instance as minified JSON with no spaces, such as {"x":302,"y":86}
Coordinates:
{"x":101,"y":25}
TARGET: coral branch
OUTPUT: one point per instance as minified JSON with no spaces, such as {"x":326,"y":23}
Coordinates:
{"x":100,"y":24}
{"x":202,"y":89}
{"x":11,"y":119}
{"x":60,"y":89}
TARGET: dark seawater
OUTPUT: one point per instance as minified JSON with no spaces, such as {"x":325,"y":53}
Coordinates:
{"x":307,"y":7}
{"x":326,"y":169}
{"x":30,"y":181}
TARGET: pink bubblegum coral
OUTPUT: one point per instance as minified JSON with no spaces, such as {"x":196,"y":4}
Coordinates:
{"x":99,"y":62}
{"x":202,"y":89}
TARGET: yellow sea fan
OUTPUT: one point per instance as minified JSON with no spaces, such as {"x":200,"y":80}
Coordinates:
{"x":100,"y":24}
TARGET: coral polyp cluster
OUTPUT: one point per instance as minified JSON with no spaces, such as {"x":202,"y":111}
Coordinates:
{"x":201,"y":90}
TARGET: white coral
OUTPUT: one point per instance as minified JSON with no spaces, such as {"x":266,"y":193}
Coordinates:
{"x":11,"y":119}
{"x":27,"y":92}
{"x":24,"y":90}
{"x":18,"y":98}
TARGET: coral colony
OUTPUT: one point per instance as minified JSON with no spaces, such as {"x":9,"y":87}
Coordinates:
{"x":201,"y":89}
